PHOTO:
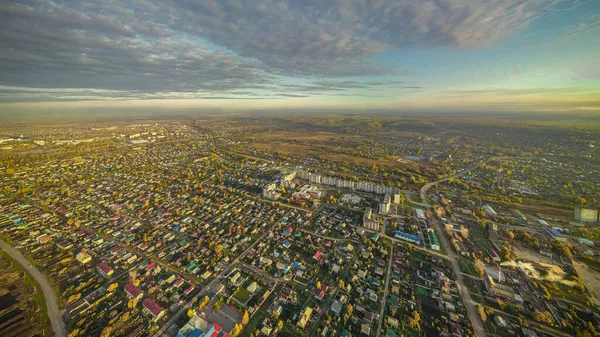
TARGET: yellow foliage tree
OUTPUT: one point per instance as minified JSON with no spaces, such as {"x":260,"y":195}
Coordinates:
{"x":112,"y":287}
{"x":246,"y":318}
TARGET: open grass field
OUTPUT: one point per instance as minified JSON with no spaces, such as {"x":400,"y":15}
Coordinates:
{"x":326,"y":152}
{"x":466,"y":266}
{"x":591,"y":279}
{"x":242,"y":295}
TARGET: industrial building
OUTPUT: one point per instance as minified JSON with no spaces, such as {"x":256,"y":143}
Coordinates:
{"x":586,"y":214}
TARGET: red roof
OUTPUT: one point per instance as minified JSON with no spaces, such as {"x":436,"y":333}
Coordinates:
{"x":104,"y":268}
{"x":151,"y":265}
{"x":151,"y":306}
{"x":317,"y":255}
{"x":132,"y":290}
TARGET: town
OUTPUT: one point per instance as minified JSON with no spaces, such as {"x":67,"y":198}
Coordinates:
{"x":273,"y":227}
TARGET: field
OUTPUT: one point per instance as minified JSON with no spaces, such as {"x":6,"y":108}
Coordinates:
{"x":242,"y":295}
{"x":466,"y":266}
{"x":591,"y":279}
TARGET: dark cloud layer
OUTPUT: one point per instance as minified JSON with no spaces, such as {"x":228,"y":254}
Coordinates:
{"x":208,"y":48}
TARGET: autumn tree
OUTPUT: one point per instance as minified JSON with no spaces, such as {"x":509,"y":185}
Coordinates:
{"x":106,"y":332}
{"x":414,"y":321}
{"x":481,"y":312}
{"x":542,"y":316}
{"x":204,"y":302}
{"x":506,"y":252}
{"x":479,"y":267}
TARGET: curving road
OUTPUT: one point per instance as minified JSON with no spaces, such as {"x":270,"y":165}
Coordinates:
{"x":478,"y":328}
{"x":54,"y":314}
{"x":427,"y":186}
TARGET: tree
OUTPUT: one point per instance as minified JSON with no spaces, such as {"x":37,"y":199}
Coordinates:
{"x":341,"y":284}
{"x":542,"y":316}
{"x":219,"y":303}
{"x":204,"y":302}
{"x":464,"y":232}
{"x":479,"y":267}
{"x":246,"y":318}
{"x":236,"y":330}
{"x":481,"y":312}
{"x":112,"y":287}
{"x":414,"y":322}
{"x":510,"y":235}
{"x":280,"y":325}
{"x":506,"y":252}
{"x":106,"y":332}
{"x":318,"y":284}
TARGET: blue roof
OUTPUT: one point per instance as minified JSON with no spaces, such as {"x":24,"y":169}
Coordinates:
{"x":195,"y":333}
{"x":555,"y":233}
{"x":406,"y":236}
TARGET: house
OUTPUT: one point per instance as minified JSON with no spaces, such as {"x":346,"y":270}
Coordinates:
{"x":305,"y":318}
{"x":319,"y":257}
{"x":153,"y":309}
{"x":235,"y":279}
{"x":200,"y":327}
{"x":267,"y":327}
{"x":277,"y":309}
{"x":83,"y":258}
{"x":320,"y":293}
{"x":252,"y":287}
{"x":336,"y":308}
{"x":365,"y":329}
{"x":133,"y":291}
{"x":104,"y":269}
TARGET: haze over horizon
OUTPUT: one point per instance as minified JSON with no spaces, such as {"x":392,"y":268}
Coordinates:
{"x":409,"y":55}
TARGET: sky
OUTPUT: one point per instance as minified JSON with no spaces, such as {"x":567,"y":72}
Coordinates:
{"x":434,"y":55}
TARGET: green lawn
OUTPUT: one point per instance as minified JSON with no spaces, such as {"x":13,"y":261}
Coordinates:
{"x":481,"y":238}
{"x":466,"y":266}
{"x":421,"y":291}
{"x":242,"y":294}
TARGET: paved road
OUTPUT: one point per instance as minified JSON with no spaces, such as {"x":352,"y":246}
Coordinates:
{"x":460,"y":282}
{"x":385,"y":291}
{"x":427,"y":186}
{"x":54,"y":314}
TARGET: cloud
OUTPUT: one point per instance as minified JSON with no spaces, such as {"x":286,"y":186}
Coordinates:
{"x":198,"y":48}
{"x":516,"y":92}
{"x":588,"y":24}
{"x":339,"y":37}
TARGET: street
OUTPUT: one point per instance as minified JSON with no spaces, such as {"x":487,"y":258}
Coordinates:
{"x":54,"y":314}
